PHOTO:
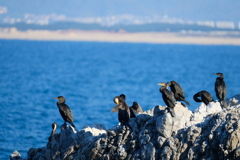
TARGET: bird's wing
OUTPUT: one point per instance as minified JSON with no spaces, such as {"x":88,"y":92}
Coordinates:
{"x":115,"y":108}
{"x":207,"y":96}
{"x":224,"y":90}
{"x":170,"y":96}
{"x":68,"y":113}
{"x":132,"y":115}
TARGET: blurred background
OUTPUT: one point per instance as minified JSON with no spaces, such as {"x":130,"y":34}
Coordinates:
{"x":125,"y":15}
{"x":89,"y":74}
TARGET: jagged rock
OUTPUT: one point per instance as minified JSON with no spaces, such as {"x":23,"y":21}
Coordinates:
{"x":16,"y":156}
{"x":164,"y":125}
{"x":237,"y":154}
{"x":207,"y":133}
{"x":234,"y":101}
{"x":202,"y":111}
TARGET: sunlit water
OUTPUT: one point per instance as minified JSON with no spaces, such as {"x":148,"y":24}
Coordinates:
{"x":89,"y":75}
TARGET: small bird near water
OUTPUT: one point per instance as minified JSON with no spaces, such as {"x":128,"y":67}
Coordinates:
{"x":168,"y":97}
{"x":54,"y":128}
{"x":135,"y":108}
{"x":64,"y":110}
{"x":205,"y":96}
{"x":123,"y":111}
{"x":177,"y":91}
{"x":221,"y":89}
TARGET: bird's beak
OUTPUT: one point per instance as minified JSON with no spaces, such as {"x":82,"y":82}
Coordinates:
{"x":161,"y":84}
{"x":116,"y":100}
{"x":215,"y":73}
{"x":55,"y":98}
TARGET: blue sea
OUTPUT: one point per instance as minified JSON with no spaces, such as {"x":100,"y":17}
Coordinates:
{"x":89,"y":75}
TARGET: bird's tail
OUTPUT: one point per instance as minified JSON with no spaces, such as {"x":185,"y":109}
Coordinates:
{"x":172,"y":112}
{"x":72,"y":124}
{"x":186,"y":102}
{"x":184,"y":105}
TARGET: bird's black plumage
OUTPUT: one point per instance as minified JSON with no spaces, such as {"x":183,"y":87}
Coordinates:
{"x":132,"y":115}
{"x":122,"y":98}
{"x":123,"y":111}
{"x":168,"y":97}
{"x":136,"y":108}
{"x":205,"y":96}
{"x":177,"y":91}
{"x":221,"y":89}
{"x":64,"y":110}
{"x":54,"y":128}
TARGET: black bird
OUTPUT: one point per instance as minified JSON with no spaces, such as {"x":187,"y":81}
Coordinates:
{"x":168,"y":97}
{"x":54,"y":128}
{"x":205,"y":96}
{"x":177,"y":91}
{"x":123,"y":98}
{"x":64,"y":110}
{"x":123,"y":111}
{"x":221,"y":89}
{"x":136,"y":108}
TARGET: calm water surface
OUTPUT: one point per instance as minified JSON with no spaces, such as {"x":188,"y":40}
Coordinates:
{"x":89,"y":75}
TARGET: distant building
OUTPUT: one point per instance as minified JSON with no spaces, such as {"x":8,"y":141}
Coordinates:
{"x":225,"y":24}
{"x":206,"y":23}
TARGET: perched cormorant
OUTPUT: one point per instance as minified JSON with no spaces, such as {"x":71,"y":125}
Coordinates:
{"x":123,"y":98}
{"x":53,"y":144}
{"x":64,"y":110}
{"x":54,"y":128}
{"x":136,"y":108}
{"x":168,"y":97}
{"x":177,"y":91}
{"x":205,"y":96}
{"x":221,"y":89}
{"x":123,"y":111}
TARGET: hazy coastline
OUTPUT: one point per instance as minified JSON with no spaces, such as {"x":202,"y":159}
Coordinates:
{"x":205,"y":38}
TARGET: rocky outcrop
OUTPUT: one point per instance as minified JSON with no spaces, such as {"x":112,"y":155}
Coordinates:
{"x":207,"y":133}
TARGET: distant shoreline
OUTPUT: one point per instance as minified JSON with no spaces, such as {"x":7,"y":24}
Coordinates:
{"x":218,"y":38}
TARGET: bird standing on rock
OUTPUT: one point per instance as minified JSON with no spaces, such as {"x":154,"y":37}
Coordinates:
{"x":206,"y":97}
{"x":123,"y":111}
{"x":221,"y":89}
{"x":54,"y":128}
{"x":168,"y":97}
{"x":177,"y":91}
{"x":64,"y":110}
{"x":135,"y":108}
